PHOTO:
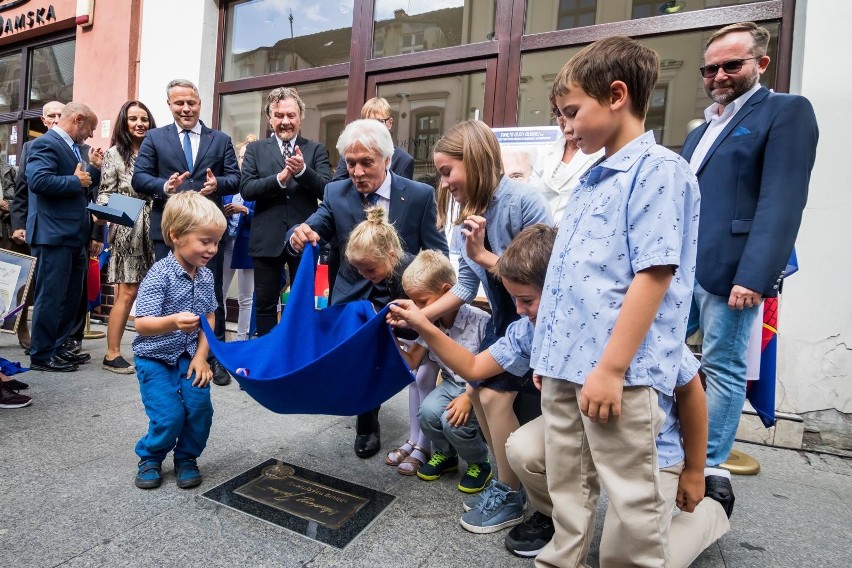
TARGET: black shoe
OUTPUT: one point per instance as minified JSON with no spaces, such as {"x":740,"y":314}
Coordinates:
{"x":528,"y":538}
{"x":719,"y":489}
{"x":72,"y":345}
{"x":221,"y":377}
{"x":74,"y":358}
{"x":54,"y":365}
{"x":367,"y":445}
{"x":15,"y":385}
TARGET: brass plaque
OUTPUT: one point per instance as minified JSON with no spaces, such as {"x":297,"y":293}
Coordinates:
{"x":280,"y":488}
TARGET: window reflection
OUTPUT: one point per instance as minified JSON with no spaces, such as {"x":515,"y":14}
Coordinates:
{"x":551,"y":15}
{"x":423,"y":110}
{"x":273,"y":36}
{"x":10,"y":82}
{"x":407,"y":27}
{"x":51,"y":74}
{"x":325,"y":112}
{"x":678,"y":97}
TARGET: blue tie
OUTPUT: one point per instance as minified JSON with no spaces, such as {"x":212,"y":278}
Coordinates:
{"x":371,"y":199}
{"x":187,"y":150}
{"x":77,"y":152}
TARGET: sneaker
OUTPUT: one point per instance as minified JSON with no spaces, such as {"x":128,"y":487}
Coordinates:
{"x":528,"y":538}
{"x":15,"y":385}
{"x":12,"y":399}
{"x":500,"y":509}
{"x":119,"y":365}
{"x":720,"y":489}
{"x":472,"y":501}
{"x":475,"y":478}
{"x":149,"y":475}
{"x":438,"y":465}
{"x":187,"y":474}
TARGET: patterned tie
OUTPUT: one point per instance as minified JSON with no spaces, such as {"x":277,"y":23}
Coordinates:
{"x":286,"y":151}
{"x":370,"y":199}
{"x":77,"y":152}
{"x":187,"y":150}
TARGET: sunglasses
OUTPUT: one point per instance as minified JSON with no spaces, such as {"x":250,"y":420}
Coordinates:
{"x":385,"y":120}
{"x":729,"y":67}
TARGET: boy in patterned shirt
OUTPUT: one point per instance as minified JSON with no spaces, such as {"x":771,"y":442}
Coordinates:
{"x":614,"y":309}
{"x":171,"y":352}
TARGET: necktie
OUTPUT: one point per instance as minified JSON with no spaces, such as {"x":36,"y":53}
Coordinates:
{"x":187,"y":150}
{"x":286,"y":151}
{"x":77,"y":152}
{"x":371,"y":199}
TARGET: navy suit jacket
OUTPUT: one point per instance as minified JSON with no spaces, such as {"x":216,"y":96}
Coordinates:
{"x":277,"y":209}
{"x":57,"y":212}
{"x":402,"y":164}
{"x":412,"y":211}
{"x":754,"y":186}
{"x":240,"y":258}
{"x":161,"y":155}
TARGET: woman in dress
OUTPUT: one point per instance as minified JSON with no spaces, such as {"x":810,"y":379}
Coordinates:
{"x":132,"y":250}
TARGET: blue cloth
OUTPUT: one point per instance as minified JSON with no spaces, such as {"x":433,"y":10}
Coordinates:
{"x":635,"y":210}
{"x":179,"y":414}
{"x":10,"y":368}
{"x":168,"y":289}
{"x":724,"y":360}
{"x":342,"y":360}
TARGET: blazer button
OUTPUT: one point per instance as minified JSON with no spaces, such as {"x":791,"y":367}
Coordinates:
{"x":775,"y":287}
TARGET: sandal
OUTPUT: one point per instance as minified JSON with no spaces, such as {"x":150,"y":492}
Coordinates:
{"x":411,"y":464}
{"x":396,"y":456}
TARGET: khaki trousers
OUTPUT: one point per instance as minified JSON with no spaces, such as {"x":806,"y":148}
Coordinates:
{"x":623,"y":454}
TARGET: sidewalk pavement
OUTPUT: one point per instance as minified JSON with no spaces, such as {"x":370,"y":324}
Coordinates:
{"x":67,"y":496}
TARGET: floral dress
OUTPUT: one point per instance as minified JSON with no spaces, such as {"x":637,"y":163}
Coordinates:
{"x":132,"y":249}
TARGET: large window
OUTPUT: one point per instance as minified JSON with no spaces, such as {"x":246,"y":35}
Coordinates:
{"x":30,"y":77}
{"x":271,"y":36}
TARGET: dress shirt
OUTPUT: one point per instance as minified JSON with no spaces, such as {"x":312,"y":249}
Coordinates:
{"x":194,"y":138}
{"x":717,"y":123}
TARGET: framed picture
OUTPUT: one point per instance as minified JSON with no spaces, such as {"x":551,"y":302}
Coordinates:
{"x":16,"y":274}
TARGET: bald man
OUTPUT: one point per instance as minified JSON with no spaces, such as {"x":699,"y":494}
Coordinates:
{"x":57,"y":230}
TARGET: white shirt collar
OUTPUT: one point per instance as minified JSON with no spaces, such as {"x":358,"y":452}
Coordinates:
{"x":65,"y":136}
{"x":291,"y":142}
{"x":732,"y":108}
{"x":195,"y":129}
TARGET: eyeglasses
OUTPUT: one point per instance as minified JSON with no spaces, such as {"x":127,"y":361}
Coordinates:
{"x":729,"y":67}
{"x":385,"y":120}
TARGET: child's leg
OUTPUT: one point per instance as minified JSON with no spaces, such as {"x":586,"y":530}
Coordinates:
{"x":464,"y":438}
{"x":430,"y":418}
{"x":159,"y":385}
{"x":625,"y":456}
{"x":427,"y":375}
{"x":571,"y":476}
{"x":525,"y":453}
{"x":501,"y":422}
{"x":245,"y":284}
{"x":199,"y":415}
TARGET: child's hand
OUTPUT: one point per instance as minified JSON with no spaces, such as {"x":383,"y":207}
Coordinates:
{"x":690,"y":490}
{"x":202,"y":372}
{"x":187,"y":322}
{"x":600,"y":398}
{"x":404,"y":312}
{"x":458,"y":410}
{"x":537,"y":381}
{"x":473,"y":228}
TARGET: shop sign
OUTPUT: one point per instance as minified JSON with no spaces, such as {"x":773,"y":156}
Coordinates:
{"x":22,"y":21}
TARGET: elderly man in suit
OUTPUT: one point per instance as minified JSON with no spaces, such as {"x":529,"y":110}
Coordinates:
{"x":188,"y":156}
{"x":284,"y":175}
{"x":366,"y":146}
{"x":753,"y":158}
{"x":57,"y":230}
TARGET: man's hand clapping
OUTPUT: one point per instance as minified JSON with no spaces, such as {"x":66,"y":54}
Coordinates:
{"x":210,"y":184}
{"x":174,"y":182}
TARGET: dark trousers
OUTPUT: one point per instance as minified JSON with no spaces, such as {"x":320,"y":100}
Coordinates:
{"x":79,"y":328}
{"x":216,"y":265}
{"x":368,"y":423}
{"x":267,"y":287}
{"x":58,"y":289}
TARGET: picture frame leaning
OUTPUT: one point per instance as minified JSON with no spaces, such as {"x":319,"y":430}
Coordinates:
{"x":16,"y":274}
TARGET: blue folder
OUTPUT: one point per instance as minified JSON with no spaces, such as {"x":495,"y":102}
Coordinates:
{"x":120,"y":209}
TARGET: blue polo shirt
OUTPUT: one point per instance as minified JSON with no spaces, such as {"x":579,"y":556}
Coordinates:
{"x":168,"y":289}
{"x":634,"y":210}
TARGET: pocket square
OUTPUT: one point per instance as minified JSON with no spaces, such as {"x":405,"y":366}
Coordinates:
{"x":741,"y":131}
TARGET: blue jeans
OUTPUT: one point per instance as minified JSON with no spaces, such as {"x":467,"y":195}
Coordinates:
{"x":723,"y":360}
{"x":464,"y":440}
{"x":179,"y":414}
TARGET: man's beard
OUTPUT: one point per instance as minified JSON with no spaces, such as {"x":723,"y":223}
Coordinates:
{"x":737,"y":86}
{"x":286,"y":135}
